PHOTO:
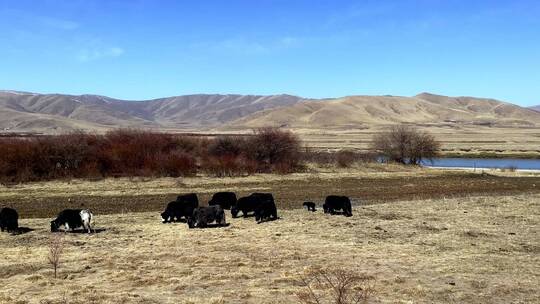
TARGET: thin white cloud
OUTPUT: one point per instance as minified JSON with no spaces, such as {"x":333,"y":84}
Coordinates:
{"x":29,"y":19}
{"x":242,"y":46}
{"x":250,"y":46}
{"x":59,"y":23}
{"x":91,"y":54}
{"x":361,"y":11}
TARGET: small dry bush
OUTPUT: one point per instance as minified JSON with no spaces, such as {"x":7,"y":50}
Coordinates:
{"x":228,"y":166}
{"x":227,"y":157}
{"x":274,"y":150}
{"x":232,"y":146}
{"x":335,"y":286}
{"x":56,"y":248}
{"x":267,"y":150}
{"x":345,"y":158}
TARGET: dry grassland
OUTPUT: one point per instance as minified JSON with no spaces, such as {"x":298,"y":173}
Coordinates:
{"x":459,"y":139}
{"x":463,"y":250}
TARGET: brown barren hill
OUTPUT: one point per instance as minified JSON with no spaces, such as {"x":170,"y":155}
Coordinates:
{"x":49,"y":113}
{"x":56,"y":113}
{"x":360,"y":111}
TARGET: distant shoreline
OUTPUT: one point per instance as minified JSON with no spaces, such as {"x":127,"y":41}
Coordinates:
{"x":483,"y":169}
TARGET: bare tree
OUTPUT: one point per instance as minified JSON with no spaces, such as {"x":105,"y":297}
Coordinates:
{"x":335,"y":286}
{"x":275,"y":149}
{"x":56,"y":248}
{"x":406,"y":145}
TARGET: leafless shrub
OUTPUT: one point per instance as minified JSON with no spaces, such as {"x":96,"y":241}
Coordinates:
{"x":406,"y":145}
{"x":224,"y":166}
{"x":345,"y":158}
{"x":274,"y":150}
{"x":131,"y":152}
{"x":56,"y":248}
{"x":335,"y":286}
{"x":227,"y":146}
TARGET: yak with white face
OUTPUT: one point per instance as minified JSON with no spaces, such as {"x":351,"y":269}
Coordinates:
{"x":87,"y":219}
{"x":72,"y":219}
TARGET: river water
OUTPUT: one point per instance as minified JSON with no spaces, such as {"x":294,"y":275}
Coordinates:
{"x":494,"y":163}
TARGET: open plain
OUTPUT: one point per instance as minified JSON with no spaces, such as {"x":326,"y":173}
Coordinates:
{"x":456,"y":140}
{"x":420,"y":235}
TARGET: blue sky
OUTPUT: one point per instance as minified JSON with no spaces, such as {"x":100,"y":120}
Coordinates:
{"x":143,"y":49}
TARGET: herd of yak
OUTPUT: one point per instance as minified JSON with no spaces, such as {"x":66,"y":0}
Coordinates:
{"x":186,"y":208}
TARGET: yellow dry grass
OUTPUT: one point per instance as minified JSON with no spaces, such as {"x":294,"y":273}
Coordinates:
{"x":462,"y":139}
{"x":465,"y":250}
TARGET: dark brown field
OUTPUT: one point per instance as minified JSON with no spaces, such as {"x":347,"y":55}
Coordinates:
{"x":289,"y":191}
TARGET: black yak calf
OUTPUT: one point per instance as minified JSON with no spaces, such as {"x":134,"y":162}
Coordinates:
{"x":202,"y":216}
{"x":9,"y":220}
{"x":310,"y":206}
{"x":335,"y":203}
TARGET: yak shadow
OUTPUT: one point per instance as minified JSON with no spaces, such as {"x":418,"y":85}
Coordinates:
{"x":23,"y":230}
{"x":246,"y":216}
{"x":336,"y":213}
{"x":82,"y":231}
{"x":269,"y":220}
{"x":177,"y":221}
{"x":214,"y":226}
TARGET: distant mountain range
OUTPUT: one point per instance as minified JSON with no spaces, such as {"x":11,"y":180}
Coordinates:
{"x":53,"y":113}
{"x":21,"y":111}
{"x":536,"y":108}
{"x":425,"y":108}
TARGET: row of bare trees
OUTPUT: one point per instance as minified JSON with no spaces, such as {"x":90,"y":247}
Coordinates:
{"x":144,"y":153}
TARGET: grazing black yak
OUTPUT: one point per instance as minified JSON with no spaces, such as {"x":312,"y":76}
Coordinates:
{"x":247,"y":204}
{"x":225,"y":199}
{"x":244,"y":204}
{"x":335,"y":203}
{"x":9,"y":220}
{"x":261,"y":204}
{"x":266,"y":208}
{"x":182,"y":207}
{"x":202,"y":216}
